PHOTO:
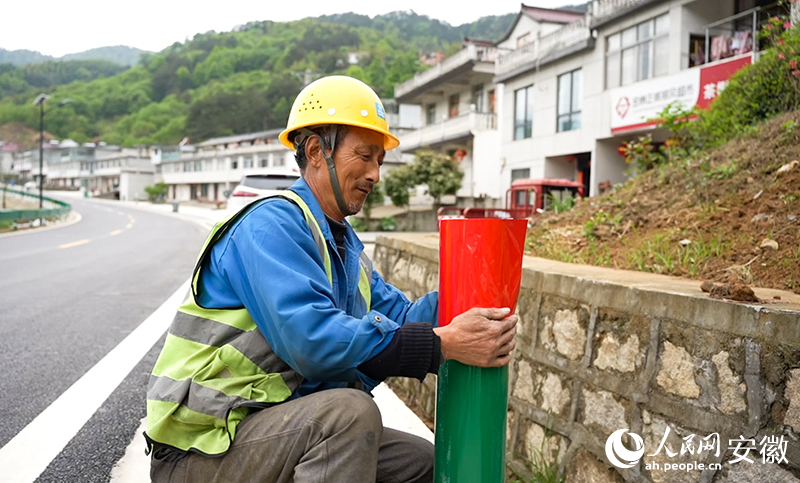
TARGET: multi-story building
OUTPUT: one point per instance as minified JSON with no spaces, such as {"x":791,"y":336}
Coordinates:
{"x":103,"y":169}
{"x":457,"y":115}
{"x":205,"y":171}
{"x":459,"y":104}
{"x":571,"y":96}
{"x":561,"y":91}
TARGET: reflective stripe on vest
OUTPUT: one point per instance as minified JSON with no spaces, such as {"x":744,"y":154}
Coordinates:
{"x":216,"y":366}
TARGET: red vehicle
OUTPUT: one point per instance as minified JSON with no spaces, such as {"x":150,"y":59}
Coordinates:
{"x":526,"y":197}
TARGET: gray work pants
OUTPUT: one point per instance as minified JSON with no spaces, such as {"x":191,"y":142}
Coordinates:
{"x":329,"y":436}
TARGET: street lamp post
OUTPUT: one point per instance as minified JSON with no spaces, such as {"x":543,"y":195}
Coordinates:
{"x":39,"y":101}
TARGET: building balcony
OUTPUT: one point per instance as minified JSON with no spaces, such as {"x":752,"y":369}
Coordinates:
{"x":470,"y":58}
{"x":455,"y":129}
{"x":606,"y":9}
{"x":571,"y":37}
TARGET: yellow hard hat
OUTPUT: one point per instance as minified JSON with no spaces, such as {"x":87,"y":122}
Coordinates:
{"x":338,"y":99}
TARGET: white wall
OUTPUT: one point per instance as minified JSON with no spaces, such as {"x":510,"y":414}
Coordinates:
{"x":546,"y":144}
{"x":486,"y":163}
{"x":131,"y":185}
{"x":526,"y":24}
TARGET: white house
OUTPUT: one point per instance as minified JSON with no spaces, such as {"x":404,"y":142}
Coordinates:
{"x":571,"y":96}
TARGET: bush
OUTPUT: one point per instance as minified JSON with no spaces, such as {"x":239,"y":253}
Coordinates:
{"x":156,"y":192}
{"x":388,"y":223}
{"x":357,"y":224}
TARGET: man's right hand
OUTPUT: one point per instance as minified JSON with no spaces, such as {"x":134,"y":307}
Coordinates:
{"x":480,"y":337}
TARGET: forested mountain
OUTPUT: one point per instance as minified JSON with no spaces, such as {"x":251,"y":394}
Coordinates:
{"x":119,"y":54}
{"x":231,"y":82}
{"x":17,"y":80}
{"x":426,"y":33}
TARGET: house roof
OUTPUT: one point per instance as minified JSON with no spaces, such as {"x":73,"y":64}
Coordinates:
{"x":552,"y":15}
{"x":472,"y":40}
{"x":272,"y":133}
{"x":542,"y":15}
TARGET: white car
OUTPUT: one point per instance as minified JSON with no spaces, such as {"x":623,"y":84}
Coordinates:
{"x":256,"y":186}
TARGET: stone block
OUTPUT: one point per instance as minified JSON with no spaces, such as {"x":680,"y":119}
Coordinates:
{"x":527,"y":309}
{"x":603,"y":410}
{"x":731,"y":388}
{"x":523,"y":386}
{"x":539,"y":445}
{"x":620,"y":341}
{"x":656,"y":455}
{"x":792,"y":393}
{"x":676,"y":374}
{"x":586,"y":468}
{"x":755,"y":473}
{"x":543,"y":389}
{"x":564,"y":324}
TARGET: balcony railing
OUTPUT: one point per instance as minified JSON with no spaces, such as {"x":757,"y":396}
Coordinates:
{"x":468,"y":54}
{"x":570,"y":34}
{"x":453,"y":128}
{"x":604,"y":8}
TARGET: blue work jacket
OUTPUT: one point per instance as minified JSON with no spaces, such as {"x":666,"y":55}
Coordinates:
{"x":268,"y":263}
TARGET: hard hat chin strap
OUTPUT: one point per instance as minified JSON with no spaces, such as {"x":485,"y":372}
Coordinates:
{"x":304,"y":133}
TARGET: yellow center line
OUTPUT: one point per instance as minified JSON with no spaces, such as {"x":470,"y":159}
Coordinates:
{"x":116,"y":232}
{"x":76,"y":243}
{"x":130,"y":225}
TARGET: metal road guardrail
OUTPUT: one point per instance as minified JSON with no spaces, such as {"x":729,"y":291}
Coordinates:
{"x":56,"y":208}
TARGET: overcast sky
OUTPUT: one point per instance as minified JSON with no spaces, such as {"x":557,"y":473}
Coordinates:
{"x":58,"y":27}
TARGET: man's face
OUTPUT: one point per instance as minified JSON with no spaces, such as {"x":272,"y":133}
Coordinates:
{"x":358,"y":160}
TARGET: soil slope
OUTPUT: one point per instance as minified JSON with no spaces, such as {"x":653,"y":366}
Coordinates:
{"x":730,"y":215}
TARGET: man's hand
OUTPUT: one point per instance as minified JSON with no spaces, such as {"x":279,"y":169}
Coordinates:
{"x":480,"y":337}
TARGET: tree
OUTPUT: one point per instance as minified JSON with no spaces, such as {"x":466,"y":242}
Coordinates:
{"x":374,"y":198}
{"x":157,"y":191}
{"x":398,"y":183}
{"x":439,"y":172}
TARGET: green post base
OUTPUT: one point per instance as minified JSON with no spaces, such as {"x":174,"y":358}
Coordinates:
{"x":471,"y":405}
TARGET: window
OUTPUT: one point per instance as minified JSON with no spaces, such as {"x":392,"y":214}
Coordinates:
{"x":263,"y":161}
{"x":570,"y":93}
{"x":523,"y":40}
{"x":430,"y":114}
{"x":523,"y":173}
{"x":452,"y":105}
{"x":234,"y":163}
{"x":638,"y":53}
{"x":492,"y":101}
{"x":198,"y":166}
{"x":523,"y":113}
{"x":277,"y":161}
{"x":247,"y":163}
{"x":477,"y":97}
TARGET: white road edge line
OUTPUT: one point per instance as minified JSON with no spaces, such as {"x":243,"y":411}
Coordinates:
{"x":29,"y":453}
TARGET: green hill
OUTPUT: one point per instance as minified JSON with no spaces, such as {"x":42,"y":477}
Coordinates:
{"x":118,"y":54}
{"x":229,"y":82}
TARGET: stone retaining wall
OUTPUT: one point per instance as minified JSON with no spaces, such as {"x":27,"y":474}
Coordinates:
{"x":600,"y":350}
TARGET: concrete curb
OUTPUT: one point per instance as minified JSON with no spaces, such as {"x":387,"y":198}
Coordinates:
{"x":73,"y":218}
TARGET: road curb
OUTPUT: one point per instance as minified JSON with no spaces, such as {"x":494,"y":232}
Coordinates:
{"x":73,"y":218}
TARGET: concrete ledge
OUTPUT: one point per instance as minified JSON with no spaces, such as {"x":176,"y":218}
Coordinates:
{"x":601,"y":349}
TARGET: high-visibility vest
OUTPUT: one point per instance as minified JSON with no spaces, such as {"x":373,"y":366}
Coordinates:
{"x":216,"y":367}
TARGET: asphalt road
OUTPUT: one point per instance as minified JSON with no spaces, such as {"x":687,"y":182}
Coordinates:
{"x":70,"y":295}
